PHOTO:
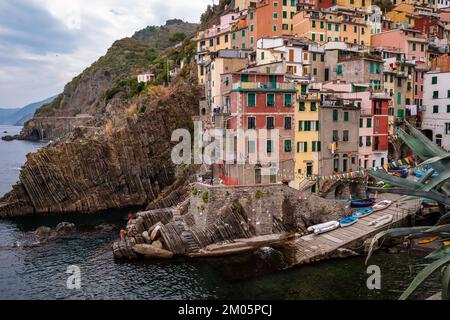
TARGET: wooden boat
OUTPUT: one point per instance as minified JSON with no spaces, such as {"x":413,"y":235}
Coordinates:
{"x":362,"y":203}
{"x":324,"y":227}
{"x":382,"y":221}
{"x":363,"y":213}
{"x":346,"y":222}
{"x":382,"y":205}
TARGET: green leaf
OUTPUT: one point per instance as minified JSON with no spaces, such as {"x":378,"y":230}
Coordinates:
{"x":424,"y":275}
{"x":393,"y":233}
{"x":445,"y":283}
{"x":439,"y":253}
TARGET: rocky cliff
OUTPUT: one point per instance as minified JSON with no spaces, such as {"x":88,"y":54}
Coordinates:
{"x":105,"y":88}
{"x":126,"y":164}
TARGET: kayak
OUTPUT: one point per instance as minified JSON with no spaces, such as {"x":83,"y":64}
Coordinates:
{"x":363,"y":213}
{"x":418,"y":173}
{"x":428,"y":240}
{"x":382,"y":205}
{"x":324,"y":227}
{"x":362,"y":203}
{"x":382,"y":221}
{"x":346,"y":222}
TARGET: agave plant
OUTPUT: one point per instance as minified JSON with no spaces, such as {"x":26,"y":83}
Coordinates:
{"x":432,"y":186}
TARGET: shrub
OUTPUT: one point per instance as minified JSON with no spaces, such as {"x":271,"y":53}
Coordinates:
{"x":205,"y":197}
{"x":194,"y":191}
{"x":259,"y":194}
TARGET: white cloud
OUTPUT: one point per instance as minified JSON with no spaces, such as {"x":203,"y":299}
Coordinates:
{"x":35,"y":65}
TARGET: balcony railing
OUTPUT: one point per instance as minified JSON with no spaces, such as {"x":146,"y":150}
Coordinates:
{"x":264,"y":85}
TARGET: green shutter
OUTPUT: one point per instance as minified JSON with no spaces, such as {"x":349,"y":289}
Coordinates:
{"x":346,"y":116}
{"x":305,"y":147}
{"x":313,"y":149}
{"x":244,"y":77}
{"x":313,"y":106}
{"x":369,"y":123}
{"x":339,"y":69}
{"x":300,"y":126}
{"x":335,"y":115}
{"x":301,"y":106}
{"x":288,"y":99}
{"x":270,"y":99}
{"x":317,"y":125}
{"x":251,"y":99}
{"x":400,"y":113}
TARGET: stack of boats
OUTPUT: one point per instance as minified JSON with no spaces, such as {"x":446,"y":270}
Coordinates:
{"x":365,"y":208}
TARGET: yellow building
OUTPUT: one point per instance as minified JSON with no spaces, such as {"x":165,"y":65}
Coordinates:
{"x":326,"y":26}
{"x":360,"y":4}
{"x":289,"y":9}
{"x":403,"y":14}
{"x":307,"y":137}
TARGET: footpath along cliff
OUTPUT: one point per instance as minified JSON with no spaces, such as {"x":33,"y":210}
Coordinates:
{"x":121,"y":167}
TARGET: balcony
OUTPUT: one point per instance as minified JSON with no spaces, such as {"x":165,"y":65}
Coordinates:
{"x":264,"y":86}
{"x":202,"y":49}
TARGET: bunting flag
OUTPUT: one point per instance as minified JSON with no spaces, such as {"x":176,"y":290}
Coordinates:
{"x":361,"y":173}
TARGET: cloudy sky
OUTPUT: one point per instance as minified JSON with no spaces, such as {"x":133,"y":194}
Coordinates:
{"x":45,"y":43}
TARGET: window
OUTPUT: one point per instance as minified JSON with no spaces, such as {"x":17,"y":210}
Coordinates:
{"x":346,"y":116}
{"x":252,"y":15}
{"x":233,"y":36}
{"x":448,"y":108}
{"x":316,"y":146}
{"x":317,"y":125}
{"x":287,"y":145}
{"x":307,"y":126}
{"x":258,"y":176}
{"x":435,"y":109}
{"x":361,"y":142}
{"x":372,"y":67}
{"x":329,"y":26}
{"x":335,"y":115}
{"x":435,"y":94}
{"x":270,"y":123}
{"x":335,"y":136}
{"x":414,"y":47}
{"x":368,"y":141}
{"x":313,"y":106}
{"x":321,"y":39}
{"x":284,"y":15}
{"x":361,"y":125}
{"x":448,"y":93}
{"x":275,"y":15}
{"x":251,"y":147}
{"x":339,"y":69}
{"x":345,"y":137}
{"x":313,"y":36}
{"x":243,"y":33}
{"x":251,"y":100}
{"x":313,"y":24}
{"x":226,"y":38}
{"x":269,"y":146}
{"x":274,"y":28}
{"x":400,"y":113}
{"x":270,"y":98}
{"x":369,"y":123}
{"x":434,"y":80}
{"x":288,"y":100}
{"x":336,"y":27}
{"x":321,"y":25}
{"x":302,"y":147}
{"x":244,"y":77}
{"x":301,"y":106}
{"x":251,"y":123}
{"x":300,"y":126}
{"x":287,"y":123}
{"x":399,"y":97}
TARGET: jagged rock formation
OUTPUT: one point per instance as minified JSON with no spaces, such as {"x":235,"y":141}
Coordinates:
{"x":127,"y":165}
{"x":219,"y":215}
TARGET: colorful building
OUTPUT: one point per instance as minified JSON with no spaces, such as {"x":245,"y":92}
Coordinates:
{"x":260,"y":101}
{"x":436,"y":102}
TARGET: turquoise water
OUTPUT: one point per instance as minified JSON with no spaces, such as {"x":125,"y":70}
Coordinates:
{"x":40,"y":272}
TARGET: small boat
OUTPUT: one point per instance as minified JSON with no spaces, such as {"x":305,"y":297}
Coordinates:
{"x":387,"y":186}
{"x":382,"y":205}
{"x":418,"y":173}
{"x":428,"y":240}
{"x":362,"y":203}
{"x":346,"y":222}
{"x":324,"y":227}
{"x":382,"y":221}
{"x":363,"y":213}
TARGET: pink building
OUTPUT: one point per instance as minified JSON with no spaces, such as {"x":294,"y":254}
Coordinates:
{"x":411,"y":42}
{"x":371,"y":147}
